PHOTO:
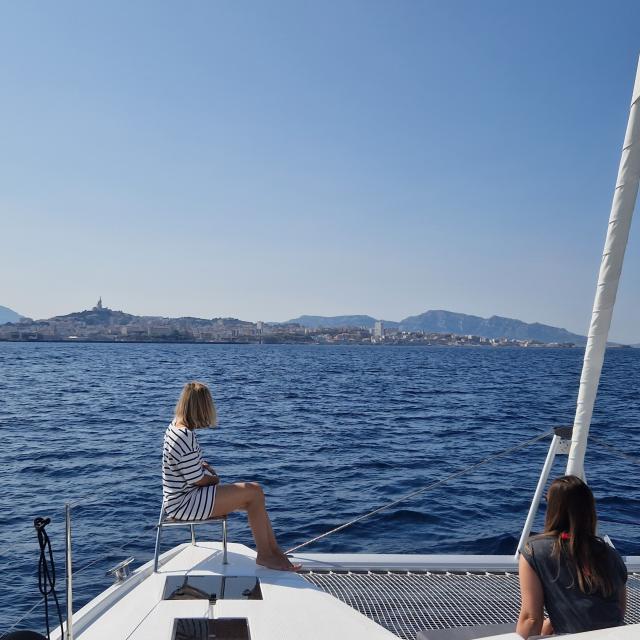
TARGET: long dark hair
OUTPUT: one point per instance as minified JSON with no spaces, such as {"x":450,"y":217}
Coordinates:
{"x":571,"y":520}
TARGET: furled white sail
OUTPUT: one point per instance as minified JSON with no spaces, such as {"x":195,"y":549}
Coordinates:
{"x":624,"y":200}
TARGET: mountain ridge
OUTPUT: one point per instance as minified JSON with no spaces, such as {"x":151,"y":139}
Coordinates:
{"x":432,"y":321}
{"x":8,"y":315}
{"x":442,"y":321}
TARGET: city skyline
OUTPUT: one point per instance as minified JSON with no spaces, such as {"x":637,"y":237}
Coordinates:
{"x":434,"y":328}
{"x":359,"y":157}
{"x":305,"y":320}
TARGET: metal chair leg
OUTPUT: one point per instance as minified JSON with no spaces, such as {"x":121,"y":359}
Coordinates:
{"x":224,"y":541}
{"x":159,"y":527}
{"x":156,"y":554}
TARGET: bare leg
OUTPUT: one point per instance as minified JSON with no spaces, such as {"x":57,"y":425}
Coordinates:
{"x":249,"y":497}
{"x":547,"y":628}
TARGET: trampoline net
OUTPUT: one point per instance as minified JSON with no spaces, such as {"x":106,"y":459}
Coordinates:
{"x":406,"y":602}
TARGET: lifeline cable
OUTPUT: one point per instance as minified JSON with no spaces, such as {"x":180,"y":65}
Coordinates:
{"x":623,"y":454}
{"x":433,"y":485}
{"x":47,"y":572}
{"x":75,"y":573}
{"x":21,"y":618}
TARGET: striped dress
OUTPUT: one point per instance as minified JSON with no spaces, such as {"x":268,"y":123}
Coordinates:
{"x":181,"y":469}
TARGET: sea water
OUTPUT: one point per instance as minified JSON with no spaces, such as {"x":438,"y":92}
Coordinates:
{"x":330,"y":432}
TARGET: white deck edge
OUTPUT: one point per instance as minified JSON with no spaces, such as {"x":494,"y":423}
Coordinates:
{"x":415,"y":562}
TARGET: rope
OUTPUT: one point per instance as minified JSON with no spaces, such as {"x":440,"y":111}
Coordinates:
{"x":602,"y":443}
{"x":19,"y":620}
{"x":624,"y":523}
{"x":47,"y":572}
{"x":22,"y":533}
{"x":625,"y":455}
{"x":428,"y":487}
{"x":75,"y":573}
{"x":107,"y":555}
{"x":85,"y":501}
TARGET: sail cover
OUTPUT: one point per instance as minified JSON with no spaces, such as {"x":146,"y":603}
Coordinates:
{"x":624,"y":200}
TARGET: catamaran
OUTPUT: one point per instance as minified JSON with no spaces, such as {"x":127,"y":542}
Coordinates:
{"x":208,"y":589}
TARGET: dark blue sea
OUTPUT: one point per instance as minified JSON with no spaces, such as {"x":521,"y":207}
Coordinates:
{"x":331,"y":432}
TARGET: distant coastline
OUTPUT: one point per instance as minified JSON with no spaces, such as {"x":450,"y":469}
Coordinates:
{"x":432,"y":328}
{"x":103,"y":325}
{"x":442,"y":341}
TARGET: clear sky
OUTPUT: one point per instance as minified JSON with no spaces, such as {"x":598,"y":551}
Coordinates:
{"x":267,"y":159}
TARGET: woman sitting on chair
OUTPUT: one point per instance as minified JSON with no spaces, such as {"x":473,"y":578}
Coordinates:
{"x":576,"y":576}
{"x":191,"y":488}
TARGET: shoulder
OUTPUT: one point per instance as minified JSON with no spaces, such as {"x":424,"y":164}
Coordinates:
{"x":539,"y":546}
{"x":179,"y":437}
{"x":541,"y":543}
{"x":601,"y":547}
{"x":615,"y":559}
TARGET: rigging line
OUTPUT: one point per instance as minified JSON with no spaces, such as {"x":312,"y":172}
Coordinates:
{"x":21,"y":618}
{"x":428,"y":487}
{"x":97,"y":499}
{"x":46,"y":576}
{"x":86,"y":501}
{"x":27,"y":530}
{"x":86,"y":566}
{"x":620,"y":522}
{"x":624,"y":454}
{"x":110,"y":553}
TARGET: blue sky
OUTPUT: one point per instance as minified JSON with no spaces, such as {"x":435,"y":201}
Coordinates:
{"x":263,"y":160}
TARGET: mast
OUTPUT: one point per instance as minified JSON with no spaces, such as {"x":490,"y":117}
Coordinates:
{"x":624,"y":200}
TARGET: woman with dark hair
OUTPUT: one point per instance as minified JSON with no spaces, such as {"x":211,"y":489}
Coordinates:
{"x":576,"y":576}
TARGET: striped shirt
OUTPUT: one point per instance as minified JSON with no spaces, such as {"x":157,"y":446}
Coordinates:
{"x":181,"y":469}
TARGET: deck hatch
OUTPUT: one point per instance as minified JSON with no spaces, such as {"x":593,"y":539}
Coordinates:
{"x":212,"y":588}
{"x":203,"y":629}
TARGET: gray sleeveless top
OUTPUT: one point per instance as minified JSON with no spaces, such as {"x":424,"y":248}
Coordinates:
{"x":570,"y":610}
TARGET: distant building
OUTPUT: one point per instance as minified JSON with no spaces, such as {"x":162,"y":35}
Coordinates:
{"x":98,"y":306}
{"x":378,"y":330}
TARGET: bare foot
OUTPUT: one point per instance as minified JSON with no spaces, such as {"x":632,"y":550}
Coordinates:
{"x":292,"y":567}
{"x":277,"y":562}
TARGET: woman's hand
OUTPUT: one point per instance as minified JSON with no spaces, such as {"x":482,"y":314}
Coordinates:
{"x":547,"y":627}
{"x":209,"y":468}
{"x":213,"y":478}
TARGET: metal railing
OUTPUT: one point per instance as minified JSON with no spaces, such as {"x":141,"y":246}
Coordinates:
{"x":560,"y":443}
{"x":68,"y":570}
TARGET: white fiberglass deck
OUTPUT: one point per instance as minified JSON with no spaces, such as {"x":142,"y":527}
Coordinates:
{"x":399,"y":596}
{"x":291,"y":608}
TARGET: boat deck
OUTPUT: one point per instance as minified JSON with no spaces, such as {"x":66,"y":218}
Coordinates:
{"x":377,"y":597}
{"x":407,"y":594}
{"x":406,"y":602}
{"x":193,"y":587}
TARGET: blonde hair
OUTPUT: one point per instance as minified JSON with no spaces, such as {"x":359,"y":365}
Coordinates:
{"x":195,"y":408}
